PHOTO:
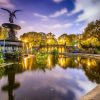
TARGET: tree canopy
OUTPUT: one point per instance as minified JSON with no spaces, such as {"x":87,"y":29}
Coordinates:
{"x":3,"y":33}
{"x":92,"y":29}
{"x":91,"y":35}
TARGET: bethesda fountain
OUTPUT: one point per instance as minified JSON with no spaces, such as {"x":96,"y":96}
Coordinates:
{"x":11,"y":43}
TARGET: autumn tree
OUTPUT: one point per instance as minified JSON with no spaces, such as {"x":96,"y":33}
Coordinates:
{"x":91,"y":35}
{"x":3,"y":33}
{"x":50,"y":39}
{"x":64,"y":39}
{"x":92,"y":29}
{"x":33,"y":38}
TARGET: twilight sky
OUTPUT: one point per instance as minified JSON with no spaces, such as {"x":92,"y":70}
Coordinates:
{"x":56,"y":16}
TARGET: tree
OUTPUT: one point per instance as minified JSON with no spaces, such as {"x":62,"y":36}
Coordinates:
{"x":64,"y":39}
{"x":50,"y":35}
{"x":3,"y":33}
{"x":33,"y":38}
{"x":51,"y":40}
{"x":91,"y":35}
{"x":92,"y":29}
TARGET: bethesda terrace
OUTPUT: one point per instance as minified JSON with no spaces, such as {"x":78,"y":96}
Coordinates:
{"x":39,"y":66}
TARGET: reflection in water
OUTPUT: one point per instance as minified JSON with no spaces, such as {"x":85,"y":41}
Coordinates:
{"x":50,"y":61}
{"x":55,"y":84}
{"x":12,"y":85}
{"x":92,"y":69}
{"x":28,"y":62}
{"x":25,"y":63}
{"x":64,"y":62}
{"x":89,"y":65}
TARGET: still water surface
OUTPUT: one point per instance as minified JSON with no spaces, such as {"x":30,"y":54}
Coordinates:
{"x":57,"y":78}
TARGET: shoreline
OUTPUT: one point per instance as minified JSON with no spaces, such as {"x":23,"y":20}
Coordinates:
{"x":94,"y":94}
{"x":5,"y":64}
{"x":95,"y":56}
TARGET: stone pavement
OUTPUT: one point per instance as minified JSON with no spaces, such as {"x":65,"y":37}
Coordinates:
{"x":92,"y":95}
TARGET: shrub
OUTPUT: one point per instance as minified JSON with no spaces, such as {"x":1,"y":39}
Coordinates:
{"x":34,"y":52}
{"x":41,"y":57}
{"x":54,"y":52}
{"x":1,"y":58}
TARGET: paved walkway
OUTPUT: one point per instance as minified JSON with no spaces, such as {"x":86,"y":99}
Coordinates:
{"x":97,"y":56}
{"x":93,"y":95}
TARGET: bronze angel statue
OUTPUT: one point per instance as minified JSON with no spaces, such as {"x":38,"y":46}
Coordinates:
{"x":11,"y":14}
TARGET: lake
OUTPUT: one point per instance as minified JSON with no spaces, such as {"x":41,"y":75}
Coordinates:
{"x":56,"y":78}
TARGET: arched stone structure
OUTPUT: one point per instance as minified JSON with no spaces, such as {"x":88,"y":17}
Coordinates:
{"x":60,"y":48}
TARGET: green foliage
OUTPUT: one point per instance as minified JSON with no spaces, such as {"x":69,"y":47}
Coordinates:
{"x":93,"y":29}
{"x":54,"y":52}
{"x":91,"y":35}
{"x":91,"y":42}
{"x":3,"y":33}
{"x":97,"y":51}
{"x":16,"y":53}
{"x":13,"y":55}
{"x":2,"y":71}
{"x":33,"y":38}
{"x":1,"y":58}
{"x":41,"y":57}
{"x":51,"y":40}
{"x":65,"y":39}
{"x":34,"y":52}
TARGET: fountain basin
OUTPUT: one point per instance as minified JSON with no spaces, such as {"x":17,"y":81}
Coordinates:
{"x":11,"y":26}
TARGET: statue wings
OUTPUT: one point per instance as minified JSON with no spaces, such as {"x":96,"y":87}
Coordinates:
{"x":15,"y":11}
{"x":6,"y":10}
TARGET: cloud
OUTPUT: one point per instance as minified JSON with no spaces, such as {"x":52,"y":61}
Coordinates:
{"x":43,"y":17}
{"x":90,"y":10}
{"x":22,"y":22}
{"x":46,"y":28}
{"x":59,"y":13}
{"x":58,"y":26}
{"x":1,"y":14}
{"x":54,"y":15}
{"x":6,"y":4}
{"x":30,"y":28}
{"x":88,"y":87}
{"x":58,"y":1}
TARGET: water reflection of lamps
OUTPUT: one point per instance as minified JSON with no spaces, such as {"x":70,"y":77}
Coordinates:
{"x":49,"y":61}
{"x":88,"y":63}
{"x":91,"y":63}
{"x":28,"y":62}
{"x":62,"y":62}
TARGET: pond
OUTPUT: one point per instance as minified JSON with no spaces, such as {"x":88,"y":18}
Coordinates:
{"x":57,"y":78}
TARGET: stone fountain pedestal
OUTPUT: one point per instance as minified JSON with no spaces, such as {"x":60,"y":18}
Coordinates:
{"x":11,"y":43}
